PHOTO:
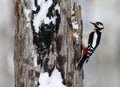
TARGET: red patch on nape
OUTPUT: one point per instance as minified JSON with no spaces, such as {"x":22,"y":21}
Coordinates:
{"x":84,"y":51}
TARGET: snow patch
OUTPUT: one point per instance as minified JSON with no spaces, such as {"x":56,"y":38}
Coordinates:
{"x":76,"y":35}
{"x":75,"y":25}
{"x":35,"y":60}
{"x":33,"y":6}
{"x":41,"y":16}
{"x":47,"y":20}
{"x":57,"y":7}
{"x":55,"y":80}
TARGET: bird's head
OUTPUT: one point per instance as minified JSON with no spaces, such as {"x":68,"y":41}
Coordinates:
{"x":98,"y":25}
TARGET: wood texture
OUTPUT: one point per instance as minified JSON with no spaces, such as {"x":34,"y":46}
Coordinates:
{"x":71,"y":54}
{"x":68,"y":55}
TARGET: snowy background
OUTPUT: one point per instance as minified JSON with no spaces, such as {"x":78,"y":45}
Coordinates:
{"x":102,"y":70}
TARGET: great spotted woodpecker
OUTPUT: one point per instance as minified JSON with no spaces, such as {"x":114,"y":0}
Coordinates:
{"x":90,"y":42}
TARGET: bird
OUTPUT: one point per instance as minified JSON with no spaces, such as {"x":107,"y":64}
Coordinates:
{"x":90,"y":42}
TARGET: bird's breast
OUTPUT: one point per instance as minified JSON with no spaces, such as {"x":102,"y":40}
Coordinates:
{"x":85,"y":41}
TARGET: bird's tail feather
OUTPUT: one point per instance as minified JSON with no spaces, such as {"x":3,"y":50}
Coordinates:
{"x":81,"y":62}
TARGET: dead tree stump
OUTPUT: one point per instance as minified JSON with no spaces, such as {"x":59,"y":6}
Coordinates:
{"x":68,"y":45}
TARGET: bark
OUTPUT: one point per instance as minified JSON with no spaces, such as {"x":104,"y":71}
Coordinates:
{"x":74,"y":78}
{"x":68,"y":50}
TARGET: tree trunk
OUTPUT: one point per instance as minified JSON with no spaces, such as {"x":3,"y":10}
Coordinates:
{"x":66,"y":45}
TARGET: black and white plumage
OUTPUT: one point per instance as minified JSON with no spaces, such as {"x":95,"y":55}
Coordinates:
{"x":45,"y":23}
{"x":90,"y":42}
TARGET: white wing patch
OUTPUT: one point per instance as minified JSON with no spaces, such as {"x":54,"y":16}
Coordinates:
{"x":94,"y":40}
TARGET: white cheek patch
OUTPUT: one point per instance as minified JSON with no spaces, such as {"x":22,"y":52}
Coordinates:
{"x":100,"y":26}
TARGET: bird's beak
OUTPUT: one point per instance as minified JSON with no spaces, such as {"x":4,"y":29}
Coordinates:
{"x":92,"y":23}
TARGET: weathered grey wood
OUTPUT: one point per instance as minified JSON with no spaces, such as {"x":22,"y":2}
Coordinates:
{"x":73,"y":77}
{"x":67,"y":57}
{"x":23,"y":60}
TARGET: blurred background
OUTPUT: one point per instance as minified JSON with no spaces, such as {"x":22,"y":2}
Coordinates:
{"x":102,"y":70}
{"x":7,"y":28}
